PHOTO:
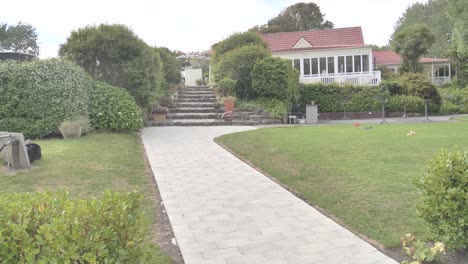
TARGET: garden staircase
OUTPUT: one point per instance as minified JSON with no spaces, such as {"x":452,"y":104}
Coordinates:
{"x":196,"y":106}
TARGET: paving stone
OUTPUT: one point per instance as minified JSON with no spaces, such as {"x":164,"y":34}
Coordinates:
{"x":224,"y":211}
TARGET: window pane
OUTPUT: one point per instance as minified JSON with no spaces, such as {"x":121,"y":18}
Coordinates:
{"x":297,"y":64}
{"x":341,"y":64}
{"x":314,"y":66}
{"x":331,"y":64}
{"x":357,"y":63}
{"x":365,"y":63}
{"x":349,"y":63}
{"x":307,"y":66}
{"x":323,"y":65}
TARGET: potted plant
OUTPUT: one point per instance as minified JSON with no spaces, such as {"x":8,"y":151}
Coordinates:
{"x":159,"y":113}
{"x":229,"y":104}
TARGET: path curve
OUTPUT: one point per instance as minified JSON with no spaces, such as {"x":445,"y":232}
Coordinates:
{"x":224,"y":211}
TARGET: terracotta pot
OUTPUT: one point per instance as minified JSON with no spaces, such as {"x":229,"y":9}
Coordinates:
{"x":229,"y":105}
{"x":160,"y":118}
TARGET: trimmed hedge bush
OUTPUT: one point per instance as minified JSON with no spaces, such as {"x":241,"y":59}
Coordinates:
{"x":37,"y":96}
{"x":443,"y":198}
{"x":113,"y":109}
{"x":414,"y":104}
{"x":333,"y":98}
{"x":454,"y":100}
{"x":54,"y":228}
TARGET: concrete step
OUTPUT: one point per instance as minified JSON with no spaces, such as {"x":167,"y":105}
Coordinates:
{"x":205,"y":100}
{"x":195,"y":96}
{"x":214,"y":122}
{"x":192,"y":104}
{"x":194,"y":110}
{"x":189,"y":93}
{"x":194,"y":116}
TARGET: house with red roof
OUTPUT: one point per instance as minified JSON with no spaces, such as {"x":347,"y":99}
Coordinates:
{"x":326,"y":56}
{"x":438,"y":69}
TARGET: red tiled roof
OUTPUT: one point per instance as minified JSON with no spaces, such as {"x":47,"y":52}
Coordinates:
{"x":388,"y":57}
{"x":319,"y":39}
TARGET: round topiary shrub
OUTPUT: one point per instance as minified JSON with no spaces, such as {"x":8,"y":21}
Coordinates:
{"x":37,"y":96}
{"x":227,"y":86}
{"x":443,"y":198}
{"x":113,"y":109}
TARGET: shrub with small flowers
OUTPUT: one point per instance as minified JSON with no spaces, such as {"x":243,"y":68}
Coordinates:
{"x":113,"y":109}
{"x":420,"y":252}
{"x":159,"y":110}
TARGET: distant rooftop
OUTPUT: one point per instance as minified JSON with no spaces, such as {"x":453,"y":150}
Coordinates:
{"x":315,"y":39}
{"x":389,"y":57}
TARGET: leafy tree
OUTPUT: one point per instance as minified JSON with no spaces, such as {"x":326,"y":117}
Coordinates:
{"x":411,"y":43}
{"x":171,"y":67}
{"x":274,"y":78}
{"x":237,"y":65}
{"x":234,"y":41}
{"x":458,"y":14}
{"x":418,"y":84}
{"x":20,"y":38}
{"x":114,"y":54}
{"x":434,"y":14}
{"x":298,"y":17}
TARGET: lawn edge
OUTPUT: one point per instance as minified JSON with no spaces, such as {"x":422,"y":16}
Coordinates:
{"x":388,"y":252}
{"x":162,"y":232}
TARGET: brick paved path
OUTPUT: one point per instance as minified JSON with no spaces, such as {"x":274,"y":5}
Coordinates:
{"x":223,"y":211}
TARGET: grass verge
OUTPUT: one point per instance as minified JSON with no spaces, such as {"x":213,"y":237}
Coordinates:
{"x":364,"y":177}
{"x":88,"y":165}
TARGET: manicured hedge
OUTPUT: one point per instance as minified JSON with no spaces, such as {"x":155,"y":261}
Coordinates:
{"x":113,"y":109}
{"x":333,"y":98}
{"x":54,"y":228}
{"x":37,"y":96}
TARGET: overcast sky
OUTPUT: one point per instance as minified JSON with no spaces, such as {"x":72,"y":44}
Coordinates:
{"x":190,"y":25}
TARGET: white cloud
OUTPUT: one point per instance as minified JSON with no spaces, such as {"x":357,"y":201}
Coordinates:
{"x":189,"y":25}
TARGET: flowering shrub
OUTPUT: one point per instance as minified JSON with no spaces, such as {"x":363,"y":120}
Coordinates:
{"x":419,"y":251}
{"x":160,"y":110}
{"x":114,"y":109}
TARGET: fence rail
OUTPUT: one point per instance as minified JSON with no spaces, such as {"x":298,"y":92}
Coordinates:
{"x":356,"y":78}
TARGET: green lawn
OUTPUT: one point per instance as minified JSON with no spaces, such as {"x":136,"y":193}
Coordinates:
{"x":87,"y":166}
{"x":365,"y":177}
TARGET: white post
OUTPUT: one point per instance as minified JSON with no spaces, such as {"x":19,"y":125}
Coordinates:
{"x":450,"y":72}
{"x":432,"y":72}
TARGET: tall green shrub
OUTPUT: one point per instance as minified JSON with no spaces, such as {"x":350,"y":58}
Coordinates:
{"x":227,"y":86}
{"x":37,"y":96}
{"x":414,"y":104}
{"x":444,"y":198}
{"x":237,"y":65}
{"x":113,"y":109}
{"x":54,"y":228}
{"x":274,"y":78}
{"x":236,"y":41}
{"x":114,"y":54}
{"x":420,"y":85}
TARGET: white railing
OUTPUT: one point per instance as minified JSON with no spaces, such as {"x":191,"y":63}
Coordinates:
{"x":354,"y":78}
{"x":440,"y":80}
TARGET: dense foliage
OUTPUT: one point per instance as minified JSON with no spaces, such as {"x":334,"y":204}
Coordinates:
{"x":420,"y":85}
{"x":54,"y":228}
{"x":237,"y":65}
{"x":113,"y":109}
{"x":236,"y":41}
{"x":443,"y":198}
{"x":434,"y":14}
{"x":297,"y":17}
{"x":454,"y":100}
{"x":335,"y":98}
{"x":171,"y":67}
{"x":115,"y":55}
{"x":37,"y":96}
{"x":21,"y":37}
{"x":412,"y":43}
{"x":458,"y":14}
{"x":414,"y":104}
{"x":274,"y":78}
